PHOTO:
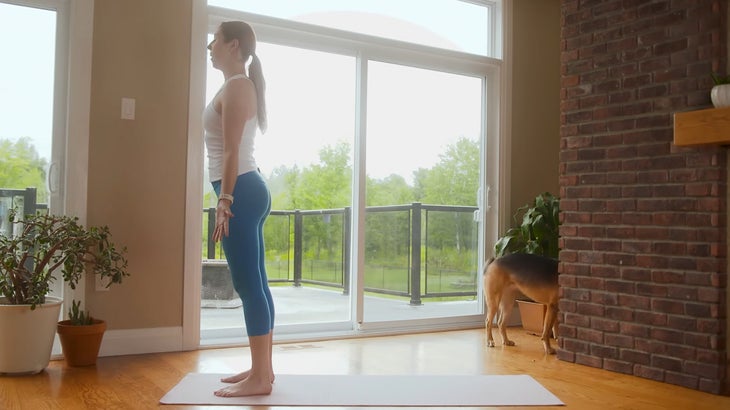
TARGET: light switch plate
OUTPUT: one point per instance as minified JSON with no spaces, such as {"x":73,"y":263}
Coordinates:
{"x":128,"y":108}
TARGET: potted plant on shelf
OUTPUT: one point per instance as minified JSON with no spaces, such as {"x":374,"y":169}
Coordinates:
{"x":29,"y":262}
{"x":720,"y":93}
{"x":80,"y":336}
{"x":537,"y":234}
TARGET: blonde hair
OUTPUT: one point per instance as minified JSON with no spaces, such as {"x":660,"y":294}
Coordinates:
{"x":243,"y":32}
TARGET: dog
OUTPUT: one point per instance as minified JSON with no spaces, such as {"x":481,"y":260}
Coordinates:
{"x":535,"y":276}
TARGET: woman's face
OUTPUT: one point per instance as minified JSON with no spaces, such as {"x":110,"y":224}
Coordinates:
{"x":219,"y":50}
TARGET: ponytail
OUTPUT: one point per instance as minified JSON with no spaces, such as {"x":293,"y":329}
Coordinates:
{"x":257,"y":76}
{"x":246,"y":37}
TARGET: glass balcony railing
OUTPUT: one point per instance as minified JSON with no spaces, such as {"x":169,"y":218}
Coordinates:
{"x":414,"y":251}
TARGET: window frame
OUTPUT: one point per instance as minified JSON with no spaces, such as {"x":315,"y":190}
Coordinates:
{"x":67,"y":175}
{"x":363,"y":47}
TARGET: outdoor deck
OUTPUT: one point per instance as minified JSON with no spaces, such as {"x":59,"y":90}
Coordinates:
{"x":306,"y":304}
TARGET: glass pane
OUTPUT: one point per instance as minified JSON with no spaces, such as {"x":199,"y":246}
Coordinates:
{"x":306,"y":157}
{"x":26,"y":104}
{"x":421,"y":238}
{"x":448,"y":24}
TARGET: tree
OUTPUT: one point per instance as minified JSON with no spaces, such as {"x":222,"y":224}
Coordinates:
{"x":455,"y":178}
{"x":21,"y":167}
{"x":327,"y":184}
{"x":392,"y":190}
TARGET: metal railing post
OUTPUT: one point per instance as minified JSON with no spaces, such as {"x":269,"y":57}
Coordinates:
{"x":298,"y":234}
{"x":416,"y":254}
{"x":210,"y":212}
{"x":346,"y":220}
{"x":29,"y":201}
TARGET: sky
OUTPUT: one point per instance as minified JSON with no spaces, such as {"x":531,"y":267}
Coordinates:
{"x":310,"y":95}
{"x":26,"y":75}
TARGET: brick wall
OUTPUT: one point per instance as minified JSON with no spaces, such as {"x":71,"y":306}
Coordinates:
{"x":643,"y":235}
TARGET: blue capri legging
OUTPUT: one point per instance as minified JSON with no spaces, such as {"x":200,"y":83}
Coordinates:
{"x":244,"y":249}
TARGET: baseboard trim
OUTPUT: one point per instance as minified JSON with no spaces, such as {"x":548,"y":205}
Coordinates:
{"x":141,"y":341}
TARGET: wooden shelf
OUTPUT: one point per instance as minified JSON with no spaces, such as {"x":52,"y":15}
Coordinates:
{"x":710,"y":126}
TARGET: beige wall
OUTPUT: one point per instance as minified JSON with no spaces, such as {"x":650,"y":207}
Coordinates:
{"x":141,"y":49}
{"x":535,"y":109}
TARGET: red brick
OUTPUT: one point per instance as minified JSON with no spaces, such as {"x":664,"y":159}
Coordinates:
{"x":650,"y":318}
{"x":618,"y":366}
{"x":634,"y":329}
{"x":604,"y":352}
{"x":590,"y":309}
{"x":588,"y":360}
{"x":649,"y":372}
{"x":634,"y":302}
{"x":576,"y":346}
{"x":682,"y":323}
{"x":605,"y":325}
{"x":682,"y":352}
{"x":682,"y":379}
{"x":664,"y":335}
{"x":710,"y":371}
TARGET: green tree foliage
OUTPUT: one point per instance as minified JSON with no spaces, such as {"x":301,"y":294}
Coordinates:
{"x":453,"y":180}
{"x":326,"y":185}
{"x":392,"y":190}
{"x":539,"y":231}
{"x":21,"y":167}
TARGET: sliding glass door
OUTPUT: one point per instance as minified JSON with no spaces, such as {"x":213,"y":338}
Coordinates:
{"x":423,"y":171}
{"x":375,"y":157}
{"x":33,"y":106}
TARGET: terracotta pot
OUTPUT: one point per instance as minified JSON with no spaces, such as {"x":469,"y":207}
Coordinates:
{"x":532,"y":315}
{"x":81,"y":344}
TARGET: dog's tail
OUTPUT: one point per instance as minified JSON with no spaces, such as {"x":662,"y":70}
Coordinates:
{"x":486,"y":264}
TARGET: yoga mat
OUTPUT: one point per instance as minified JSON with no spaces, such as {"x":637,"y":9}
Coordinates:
{"x":371,"y":390}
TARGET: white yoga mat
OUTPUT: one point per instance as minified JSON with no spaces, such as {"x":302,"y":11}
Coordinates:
{"x":370,"y":390}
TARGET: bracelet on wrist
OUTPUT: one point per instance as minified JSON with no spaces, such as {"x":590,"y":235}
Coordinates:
{"x":226,"y":196}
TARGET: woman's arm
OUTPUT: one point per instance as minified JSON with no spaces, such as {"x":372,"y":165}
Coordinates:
{"x":238,"y":105}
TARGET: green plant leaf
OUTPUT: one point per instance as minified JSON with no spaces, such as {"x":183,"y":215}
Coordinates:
{"x":538,"y":230}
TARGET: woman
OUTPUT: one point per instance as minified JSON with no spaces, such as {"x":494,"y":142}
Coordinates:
{"x":244,"y":202}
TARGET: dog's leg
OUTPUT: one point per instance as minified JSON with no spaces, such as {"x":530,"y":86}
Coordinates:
{"x":506,"y":306}
{"x":492,"y":308}
{"x":551,"y":317}
{"x":492,"y":301}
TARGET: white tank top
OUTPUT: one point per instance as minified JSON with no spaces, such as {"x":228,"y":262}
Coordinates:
{"x":213,"y":126}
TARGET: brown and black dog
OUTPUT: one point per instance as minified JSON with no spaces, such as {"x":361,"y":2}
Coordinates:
{"x":535,"y":276}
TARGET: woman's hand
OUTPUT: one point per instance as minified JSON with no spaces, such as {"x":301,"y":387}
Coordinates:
{"x":222,"y":215}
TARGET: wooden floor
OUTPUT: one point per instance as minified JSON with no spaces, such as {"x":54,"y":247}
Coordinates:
{"x":138,"y":382}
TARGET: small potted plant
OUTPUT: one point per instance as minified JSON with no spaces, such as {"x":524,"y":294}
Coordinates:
{"x":537,"y":234}
{"x":720,"y":93}
{"x":30,"y":259}
{"x":80,"y":336}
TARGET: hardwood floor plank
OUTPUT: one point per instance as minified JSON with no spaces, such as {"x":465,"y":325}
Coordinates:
{"x":138,"y":382}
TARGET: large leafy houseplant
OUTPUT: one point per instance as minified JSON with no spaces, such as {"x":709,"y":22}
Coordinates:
{"x":47,"y":243}
{"x":536,"y":234}
{"x":538,"y":231}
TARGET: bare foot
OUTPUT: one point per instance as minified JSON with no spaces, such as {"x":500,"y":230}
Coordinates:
{"x":242,"y":376}
{"x":236,"y":377}
{"x":247,"y":387}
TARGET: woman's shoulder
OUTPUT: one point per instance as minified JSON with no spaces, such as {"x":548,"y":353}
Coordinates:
{"x":239,"y":85}
{"x":240,"y":95}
